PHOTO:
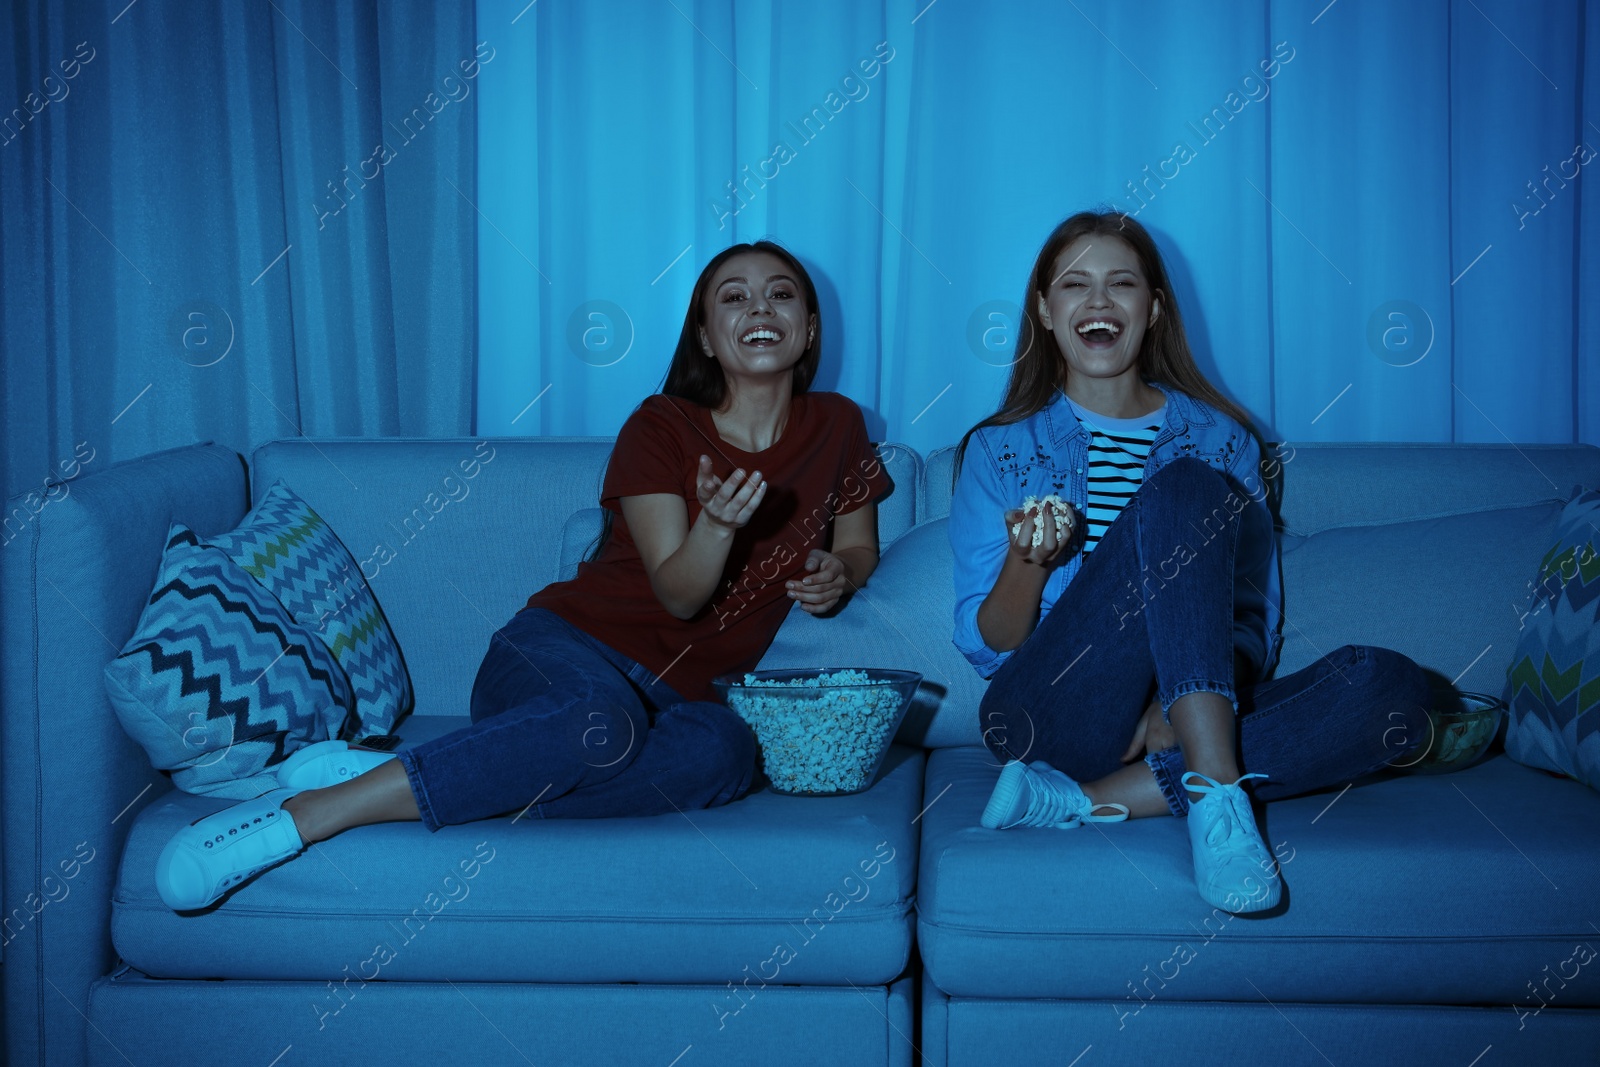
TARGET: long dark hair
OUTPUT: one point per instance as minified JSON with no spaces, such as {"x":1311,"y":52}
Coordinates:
{"x":1164,"y":356}
{"x":698,"y":379}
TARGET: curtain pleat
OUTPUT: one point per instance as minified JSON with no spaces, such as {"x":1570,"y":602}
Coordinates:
{"x":196,"y":240}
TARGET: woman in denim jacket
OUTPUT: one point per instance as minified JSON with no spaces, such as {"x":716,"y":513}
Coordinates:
{"x":1140,"y":614}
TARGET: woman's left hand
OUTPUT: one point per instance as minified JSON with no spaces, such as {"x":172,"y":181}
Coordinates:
{"x":820,"y":590}
{"x":1153,"y":734}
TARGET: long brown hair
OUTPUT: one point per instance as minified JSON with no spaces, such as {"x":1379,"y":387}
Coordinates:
{"x":1164,"y":356}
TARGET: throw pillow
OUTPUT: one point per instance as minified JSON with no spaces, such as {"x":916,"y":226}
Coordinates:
{"x":218,"y":681}
{"x":1553,"y":684}
{"x":287,"y":547}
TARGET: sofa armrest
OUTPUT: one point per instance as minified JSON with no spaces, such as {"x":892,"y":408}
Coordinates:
{"x":75,"y":575}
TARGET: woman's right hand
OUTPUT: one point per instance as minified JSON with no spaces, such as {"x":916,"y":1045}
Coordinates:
{"x":1022,"y":546}
{"x":729,"y":503}
{"x":1010,"y":611}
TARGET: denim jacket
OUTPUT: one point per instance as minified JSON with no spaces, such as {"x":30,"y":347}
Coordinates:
{"x":1048,"y":453}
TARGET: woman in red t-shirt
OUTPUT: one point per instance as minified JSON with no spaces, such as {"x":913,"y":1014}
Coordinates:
{"x":594,"y":700}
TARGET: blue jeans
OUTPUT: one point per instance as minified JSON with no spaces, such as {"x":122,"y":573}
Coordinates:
{"x":572,"y":729}
{"x":1152,"y":612}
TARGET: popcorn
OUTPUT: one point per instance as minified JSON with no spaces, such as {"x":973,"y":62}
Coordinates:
{"x":1058,"y":508}
{"x":824,"y":739}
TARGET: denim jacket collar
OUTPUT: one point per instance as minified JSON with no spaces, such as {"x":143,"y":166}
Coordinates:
{"x":1063,"y":425}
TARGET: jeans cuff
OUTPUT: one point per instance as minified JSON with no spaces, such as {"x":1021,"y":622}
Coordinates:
{"x":1168,"y":767}
{"x":408,"y":760}
{"x":1196,"y":685}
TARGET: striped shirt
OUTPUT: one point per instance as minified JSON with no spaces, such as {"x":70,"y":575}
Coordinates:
{"x":1118,"y":449}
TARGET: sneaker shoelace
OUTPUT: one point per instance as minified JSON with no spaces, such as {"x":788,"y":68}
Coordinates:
{"x":1226,"y":834}
{"x":1050,"y":803}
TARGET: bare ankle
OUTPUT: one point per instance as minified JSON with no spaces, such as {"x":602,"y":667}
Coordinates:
{"x":302,"y":809}
{"x":1225,"y":774}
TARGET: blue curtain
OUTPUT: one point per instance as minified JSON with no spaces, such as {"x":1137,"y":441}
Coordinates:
{"x":1372,"y":212}
{"x":237,"y":221}
{"x":251,"y":220}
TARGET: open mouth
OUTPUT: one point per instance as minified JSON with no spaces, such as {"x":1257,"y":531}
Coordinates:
{"x":1100,"y":333}
{"x":761,"y":336}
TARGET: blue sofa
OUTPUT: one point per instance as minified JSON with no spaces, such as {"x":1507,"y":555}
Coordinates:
{"x":1423,"y":913}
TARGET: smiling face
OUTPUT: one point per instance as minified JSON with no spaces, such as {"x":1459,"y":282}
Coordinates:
{"x":1098,"y":306}
{"x":756,"y":321}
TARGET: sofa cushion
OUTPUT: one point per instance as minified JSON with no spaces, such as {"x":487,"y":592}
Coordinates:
{"x":902,"y":618}
{"x":285,"y":545}
{"x":1553,"y":684}
{"x":1450,"y":889}
{"x":1442,"y":590}
{"x":218,"y":680}
{"x":771,"y":888}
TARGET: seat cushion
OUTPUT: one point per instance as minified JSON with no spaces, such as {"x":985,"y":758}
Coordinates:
{"x":768,"y":889}
{"x":1452,"y":889}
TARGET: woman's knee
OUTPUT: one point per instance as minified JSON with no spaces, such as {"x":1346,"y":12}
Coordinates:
{"x":1188,"y":472}
{"x":609,"y":728}
{"x":724,"y":748}
{"x":1383,"y":673}
{"x":1393,"y":690}
{"x":1186,"y":490}
{"x":1007,"y":727}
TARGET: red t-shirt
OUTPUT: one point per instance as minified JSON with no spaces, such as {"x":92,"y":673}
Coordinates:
{"x":822,"y":466}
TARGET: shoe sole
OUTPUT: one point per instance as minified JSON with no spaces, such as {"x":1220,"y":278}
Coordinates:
{"x":1004,"y":798}
{"x":1258,"y":902}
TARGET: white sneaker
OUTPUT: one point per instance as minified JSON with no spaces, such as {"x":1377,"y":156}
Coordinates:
{"x":328,"y":763}
{"x":1232,"y":868}
{"x":211,"y":856}
{"x":1037,"y":794}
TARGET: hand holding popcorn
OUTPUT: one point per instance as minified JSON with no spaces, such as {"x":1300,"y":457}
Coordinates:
{"x":1041,"y":528}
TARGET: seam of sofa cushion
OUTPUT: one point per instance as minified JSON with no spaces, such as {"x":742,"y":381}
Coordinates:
{"x":1165,"y":937}
{"x":38,"y":777}
{"x":900,"y":909}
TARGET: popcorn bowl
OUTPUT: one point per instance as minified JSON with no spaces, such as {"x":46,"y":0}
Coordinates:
{"x":1463,"y":726}
{"x":823,"y":731}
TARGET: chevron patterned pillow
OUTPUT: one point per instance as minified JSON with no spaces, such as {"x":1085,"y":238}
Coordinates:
{"x":218,"y":681}
{"x":1553,"y":683}
{"x":289,"y":549}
